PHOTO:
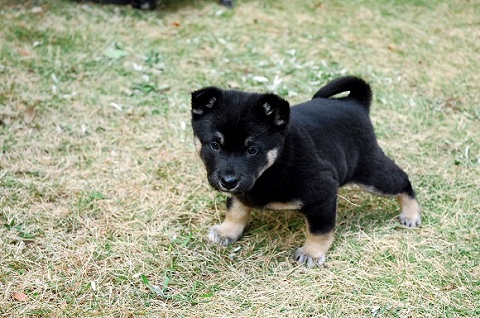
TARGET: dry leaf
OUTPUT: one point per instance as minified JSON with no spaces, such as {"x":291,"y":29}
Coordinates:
{"x":20,"y":296}
{"x":260,"y":79}
{"x":29,"y":114}
{"x":233,"y":85}
{"x":37,"y":9}
{"x":24,"y":52}
{"x":391,"y":47}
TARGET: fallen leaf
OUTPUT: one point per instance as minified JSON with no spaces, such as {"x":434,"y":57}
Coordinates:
{"x":392,"y":47}
{"x":24,"y":52}
{"x":116,"y":106}
{"x":260,"y":79}
{"x":233,"y":85}
{"x":29,"y":114}
{"x":95,"y":195}
{"x":20,"y":296}
{"x":115,"y":53}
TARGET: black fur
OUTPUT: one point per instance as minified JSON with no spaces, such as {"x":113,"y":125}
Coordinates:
{"x":321,"y":144}
{"x":149,"y":4}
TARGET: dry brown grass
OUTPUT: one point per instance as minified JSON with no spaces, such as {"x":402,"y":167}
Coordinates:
{"x":105,"y":208}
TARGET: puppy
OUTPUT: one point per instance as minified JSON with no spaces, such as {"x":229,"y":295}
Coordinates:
{"x":268,"y":155}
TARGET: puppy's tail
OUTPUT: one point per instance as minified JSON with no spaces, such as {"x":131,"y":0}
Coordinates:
{"x":358,"y":88}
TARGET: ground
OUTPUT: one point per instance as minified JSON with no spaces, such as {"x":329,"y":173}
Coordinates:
{"x":105,"y":208}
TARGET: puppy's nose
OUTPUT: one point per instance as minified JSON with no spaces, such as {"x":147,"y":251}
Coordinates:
{"x":229,"y":181}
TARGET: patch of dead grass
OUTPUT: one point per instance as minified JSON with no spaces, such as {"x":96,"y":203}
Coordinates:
{"x":104,"y":208}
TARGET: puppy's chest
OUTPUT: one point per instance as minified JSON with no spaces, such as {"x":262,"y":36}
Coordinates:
{"x":264,"y":193}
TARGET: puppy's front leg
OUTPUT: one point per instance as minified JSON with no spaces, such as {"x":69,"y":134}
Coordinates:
{"x":320,"y":233}
{"x":235,"y":221}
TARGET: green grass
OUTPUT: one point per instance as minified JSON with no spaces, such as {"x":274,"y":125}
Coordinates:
{"x":104,"y":207}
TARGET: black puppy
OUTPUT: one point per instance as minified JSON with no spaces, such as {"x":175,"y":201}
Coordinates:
{"x":268,"y":155}
{"x":148,"y":4}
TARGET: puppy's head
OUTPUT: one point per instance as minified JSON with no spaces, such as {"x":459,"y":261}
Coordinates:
{"x":238,"y":135}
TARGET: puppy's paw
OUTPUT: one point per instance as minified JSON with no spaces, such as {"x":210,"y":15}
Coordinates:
{"x":410,"y":215}
{"x":410,"y":220}
{"x":217,"y":236}
{"x":309,"y":261}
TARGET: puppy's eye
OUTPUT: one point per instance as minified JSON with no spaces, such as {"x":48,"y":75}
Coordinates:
{"x":252,"y":150}
{"x":215,"y":146}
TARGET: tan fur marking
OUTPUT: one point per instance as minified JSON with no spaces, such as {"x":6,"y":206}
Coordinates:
{"x":235,"y":221}
{"x":374,"y":191}
{"x":317,"y":246}
{"x":198,"y":144}
{"x":294,"y":205}
{"x":271,"y":157}
{"x":410,"y":207}
{"x":220,"y":137}
{"x":410,"y":210}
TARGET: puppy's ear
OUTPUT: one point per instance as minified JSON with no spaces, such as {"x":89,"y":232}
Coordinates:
{"x":276,"y":109}
{"x":204,"y":99}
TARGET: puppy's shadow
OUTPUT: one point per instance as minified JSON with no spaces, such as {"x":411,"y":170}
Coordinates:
{"x":361,"y":211}
{"x":357,"y":211}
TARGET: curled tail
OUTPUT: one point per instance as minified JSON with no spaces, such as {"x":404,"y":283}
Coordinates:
{"x":358,"y":88}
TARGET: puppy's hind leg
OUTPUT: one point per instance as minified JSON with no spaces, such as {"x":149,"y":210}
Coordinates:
{"x":232,"y":228}
{"x":386,"y":178}
{"x":410,"y":215}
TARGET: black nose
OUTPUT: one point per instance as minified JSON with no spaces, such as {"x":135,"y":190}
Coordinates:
{"x":229,"y":181}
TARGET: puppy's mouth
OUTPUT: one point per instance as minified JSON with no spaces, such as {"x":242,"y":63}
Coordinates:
{"x":229,"y":189}
{"x":233,"y":191}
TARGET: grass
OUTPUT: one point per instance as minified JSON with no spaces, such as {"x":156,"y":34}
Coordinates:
{"x":105,"y":207}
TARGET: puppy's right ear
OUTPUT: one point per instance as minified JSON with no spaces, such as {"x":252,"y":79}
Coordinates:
{"x":276,"y":109}
{"x":205,"y":99}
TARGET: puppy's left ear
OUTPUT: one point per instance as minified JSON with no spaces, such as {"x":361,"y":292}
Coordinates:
{"x":276,"y":109}
{"x":204,"y":100}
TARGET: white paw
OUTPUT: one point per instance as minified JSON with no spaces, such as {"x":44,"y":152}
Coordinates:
{"x":410,"y":215}
{"x":215,"y":236}
{"x":410,"y":221}
{"x":307,"y":260}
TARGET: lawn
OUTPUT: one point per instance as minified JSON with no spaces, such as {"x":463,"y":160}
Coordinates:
{"x":105,"y":207}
